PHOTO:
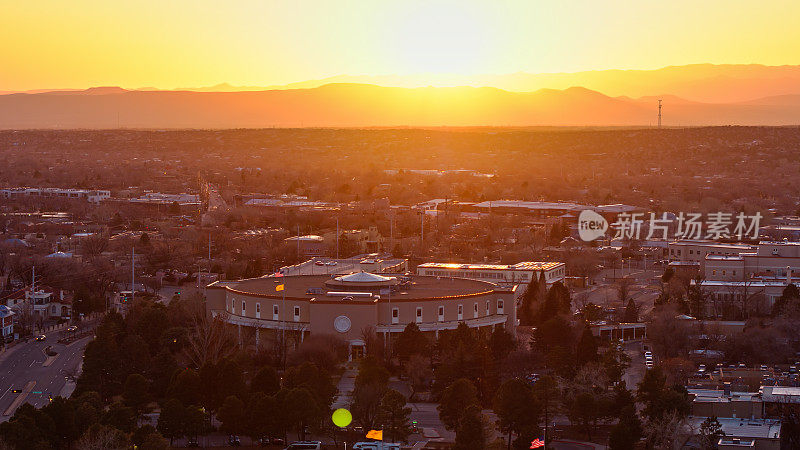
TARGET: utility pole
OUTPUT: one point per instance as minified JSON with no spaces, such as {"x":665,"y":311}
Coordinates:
{"x":283,"y":326}
{"x":422,"y":228}
{"x":209,"y":262}
{"x":659,"y":113}
{"x":133,"y":259}
{"x":391,"y":321}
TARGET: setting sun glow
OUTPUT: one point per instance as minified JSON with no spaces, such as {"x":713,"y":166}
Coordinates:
{"x":183,"y":43}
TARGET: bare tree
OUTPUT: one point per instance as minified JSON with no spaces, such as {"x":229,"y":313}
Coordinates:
{"x":419,"y":373}
{"x":210,"y":339}
{"x":624,"y":290}
{"x":670,"y":431}
{"x":101,"y":437}
{"x":92,"y":246}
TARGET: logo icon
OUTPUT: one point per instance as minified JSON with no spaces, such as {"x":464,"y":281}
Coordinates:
{"x":342,"y":324}
{"x":591,"y":225}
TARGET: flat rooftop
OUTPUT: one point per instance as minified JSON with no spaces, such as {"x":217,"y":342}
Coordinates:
{"x":313,"y":286}
{"x":529,"y":205}
{"x":715,"y":395}
{"x":745,"y":428}
{"x":714,"y":244}
{"x":321,"y":265}
{"x":782,"y":394}
{"x":740,"y":284}
{"x":525,"y":265}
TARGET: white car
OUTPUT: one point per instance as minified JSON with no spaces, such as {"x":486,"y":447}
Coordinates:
{"x":376,"y":445}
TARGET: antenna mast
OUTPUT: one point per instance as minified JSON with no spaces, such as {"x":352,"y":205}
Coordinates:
{"x":659,"y":113}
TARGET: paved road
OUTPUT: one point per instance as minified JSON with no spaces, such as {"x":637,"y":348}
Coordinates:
{"x":23,"y":368}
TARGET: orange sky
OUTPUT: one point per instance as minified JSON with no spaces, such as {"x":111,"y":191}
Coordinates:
{"x":179,"y":43}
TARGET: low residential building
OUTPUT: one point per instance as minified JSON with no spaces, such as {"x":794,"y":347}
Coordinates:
{"x":6,"y":323}
{"x":44,"y":302}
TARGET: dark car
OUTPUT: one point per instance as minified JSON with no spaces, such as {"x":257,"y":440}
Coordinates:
{"x":41,"y":337}
{"x":267,"y":441}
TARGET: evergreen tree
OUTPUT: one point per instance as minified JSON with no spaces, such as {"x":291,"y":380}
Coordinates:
{"x":631,"y":312}
{"x":171,"y":419}
{"x":394,"y":416}
{"x":627,"y":432}
{"x":232,"y":415}
{"x":455,"y":402}
{"x":516,"y":409}
{"x":471,"y":432}
{"x":710,"y":433}
{"x":586,"y":350}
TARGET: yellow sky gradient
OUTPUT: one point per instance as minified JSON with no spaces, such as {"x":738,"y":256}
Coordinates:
{"x":177,"y":43}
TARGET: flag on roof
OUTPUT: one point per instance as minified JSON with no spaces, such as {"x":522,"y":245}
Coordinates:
{"x":375,"y":434}
{"x":537,"y":443}
{"x":277,"y":274}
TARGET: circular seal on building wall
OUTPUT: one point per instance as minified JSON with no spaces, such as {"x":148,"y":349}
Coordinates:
{"x":342,"y":324}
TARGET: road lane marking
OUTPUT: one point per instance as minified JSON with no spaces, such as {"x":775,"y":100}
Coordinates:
{"x":20,"y":398}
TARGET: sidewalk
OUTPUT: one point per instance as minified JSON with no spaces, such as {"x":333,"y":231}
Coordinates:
{"x":345,"y":388}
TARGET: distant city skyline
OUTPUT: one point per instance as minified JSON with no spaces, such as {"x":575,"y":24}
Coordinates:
{"x":181,"y":44}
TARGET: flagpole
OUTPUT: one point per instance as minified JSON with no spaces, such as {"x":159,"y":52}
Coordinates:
{"x":283,"y":327}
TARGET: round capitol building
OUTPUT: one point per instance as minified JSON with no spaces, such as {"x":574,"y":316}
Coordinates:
{"x":348,"y":304}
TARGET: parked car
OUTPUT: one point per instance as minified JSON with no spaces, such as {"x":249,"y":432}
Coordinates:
{"x":376,"y":445}
{"x":267,"y":441}
{"x":72,"y":328}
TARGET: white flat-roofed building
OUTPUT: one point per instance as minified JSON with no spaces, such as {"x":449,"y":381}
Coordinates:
{"x":770,"y":260}
{"x":519,"y":273}
{"x":90,"y":195}
{"x":369,"y":262}
{"x":741,"y":433}
{"x":166,"y":199}
{"x":757,"y":277}
{"x":536,"y":210}
{"x":696,"y":251}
